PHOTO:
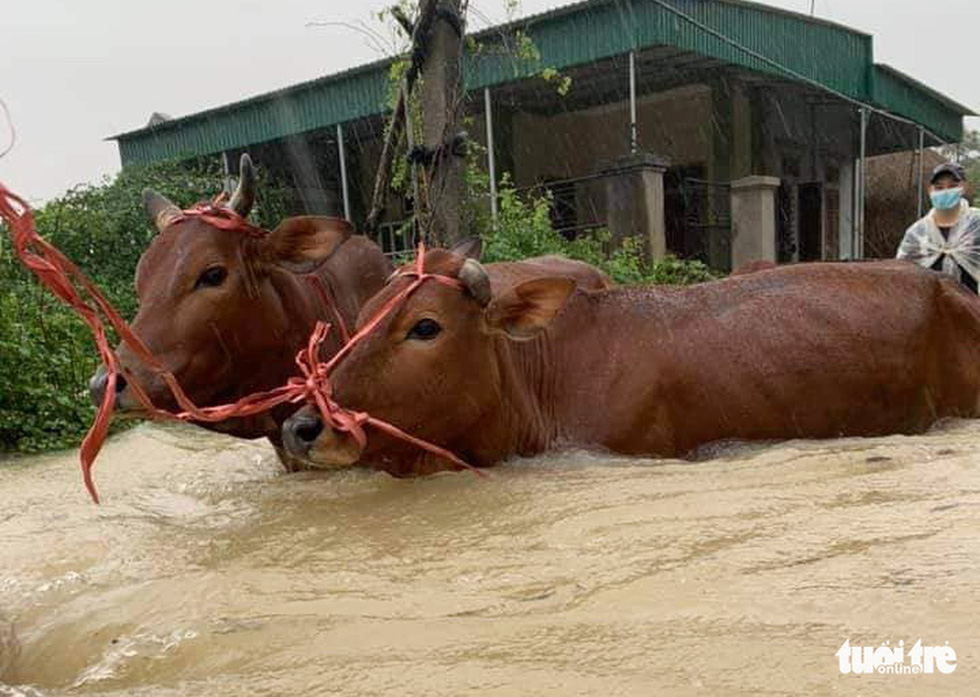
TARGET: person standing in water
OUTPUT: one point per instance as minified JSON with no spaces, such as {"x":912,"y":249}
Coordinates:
{"x":947,"y":239}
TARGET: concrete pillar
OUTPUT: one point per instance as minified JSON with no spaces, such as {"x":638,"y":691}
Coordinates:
{"x":635,"y":201}
{"x":754,"y":219}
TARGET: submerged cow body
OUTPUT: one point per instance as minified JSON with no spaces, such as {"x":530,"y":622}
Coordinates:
{"x":811,"y":351}
{"x":227,"y":312}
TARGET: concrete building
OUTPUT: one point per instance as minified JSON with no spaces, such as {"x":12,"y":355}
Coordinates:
{"x":718,"y":129}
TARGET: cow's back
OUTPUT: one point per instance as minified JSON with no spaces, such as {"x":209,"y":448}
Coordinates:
{"x":506,"y":274}
{"x":812,"y":351}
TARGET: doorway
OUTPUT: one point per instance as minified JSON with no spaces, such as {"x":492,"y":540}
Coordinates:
{"x":811,"y":222}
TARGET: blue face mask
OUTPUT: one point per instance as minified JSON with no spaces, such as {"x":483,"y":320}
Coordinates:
{"x":945,"y":199}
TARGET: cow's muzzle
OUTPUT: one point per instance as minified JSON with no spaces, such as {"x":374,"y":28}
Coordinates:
{"x":97,"y":386}
{"x":305,"y":437}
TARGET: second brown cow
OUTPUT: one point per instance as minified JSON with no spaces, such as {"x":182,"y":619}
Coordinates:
{"x":810,"y":351}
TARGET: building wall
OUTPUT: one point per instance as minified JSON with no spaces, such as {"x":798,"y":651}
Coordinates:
{"x":805,"y":142}
{"x":721,"y":131}
{"x":742,"y":155}
{"x":674,"y":124}
{"x":677,"y":125}
{"x":546,"y":148}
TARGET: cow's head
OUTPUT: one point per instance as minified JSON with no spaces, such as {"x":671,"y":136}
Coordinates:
{"x":217,"y":307}
{"x":434,"y":367}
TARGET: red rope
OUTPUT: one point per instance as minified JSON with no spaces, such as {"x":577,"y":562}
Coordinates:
{"x":321,"y":289}
{"x":221,"y":218}
{"x":54,"y":270}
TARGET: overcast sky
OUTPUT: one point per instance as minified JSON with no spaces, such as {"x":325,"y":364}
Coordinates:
{"x":74,"y":72}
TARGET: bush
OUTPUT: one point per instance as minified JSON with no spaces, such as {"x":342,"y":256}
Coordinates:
{"x":46,"y":352}
{"x":46,"y":357}
{"x":524,"y":229}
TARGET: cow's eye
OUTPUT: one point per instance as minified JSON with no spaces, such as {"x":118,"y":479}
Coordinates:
{"x":425,"y":330}
{"x":212,"y":277}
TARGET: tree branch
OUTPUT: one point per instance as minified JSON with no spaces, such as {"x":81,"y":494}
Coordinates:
{"x":421,"y":32}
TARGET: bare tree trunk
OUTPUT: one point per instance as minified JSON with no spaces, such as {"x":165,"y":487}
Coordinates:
{"x":442,"y":101}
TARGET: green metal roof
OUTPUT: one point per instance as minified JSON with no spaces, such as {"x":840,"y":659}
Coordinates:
{"x":590,"y":31}
{"x":903,"y":95}
{"x":830,"y":54}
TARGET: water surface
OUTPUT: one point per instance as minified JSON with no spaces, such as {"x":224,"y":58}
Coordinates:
{"x":207,"y":572}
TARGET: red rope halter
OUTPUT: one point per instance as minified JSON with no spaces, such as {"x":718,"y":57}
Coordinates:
{"x":220,"y":217}
{"x":55,"y":271}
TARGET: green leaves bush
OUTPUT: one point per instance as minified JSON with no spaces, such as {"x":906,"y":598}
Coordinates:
{"x":45,"y":361}
{"x":524,"y":229}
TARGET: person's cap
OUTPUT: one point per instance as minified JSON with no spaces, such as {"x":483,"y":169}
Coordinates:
{"x":950,"y":168}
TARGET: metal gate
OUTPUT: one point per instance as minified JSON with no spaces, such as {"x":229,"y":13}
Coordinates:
{"x":699,"y":219}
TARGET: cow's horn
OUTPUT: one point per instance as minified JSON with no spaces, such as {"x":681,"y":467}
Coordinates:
{"x":244,"y":196}
{"x":476,"y":280}
{"x":159,"y":209}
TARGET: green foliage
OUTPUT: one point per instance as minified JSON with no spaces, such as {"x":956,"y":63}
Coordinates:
{"x":46,"y":353}
{"x":679,"y":272}
{"x":967,"y":153}
{"x":970,"y":150}
{"x":524,"y":229}
{"x":520,"y":48}
{"x":45,"y":361}
{"x":563,"y":82}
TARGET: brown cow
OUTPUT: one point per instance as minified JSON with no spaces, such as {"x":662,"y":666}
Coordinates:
{"x":811,"y":351}
{"x":753,"y":267}
{"x":226,"y":313}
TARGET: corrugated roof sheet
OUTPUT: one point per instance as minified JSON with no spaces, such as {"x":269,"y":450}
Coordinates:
{"x":903,"y":95}
{"x":835,"y":56}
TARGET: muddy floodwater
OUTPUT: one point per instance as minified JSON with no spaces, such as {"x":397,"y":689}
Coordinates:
{"x":207,"y":572}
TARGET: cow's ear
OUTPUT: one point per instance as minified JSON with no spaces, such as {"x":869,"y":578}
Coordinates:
{"x":524,"y":310}
{"x":469,"y":248}
{"x":301,"y":244}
